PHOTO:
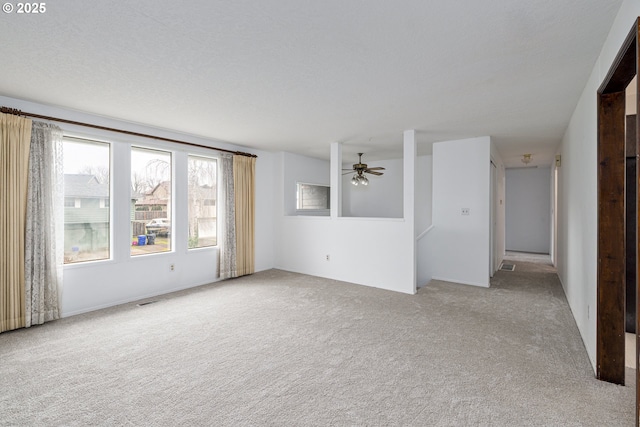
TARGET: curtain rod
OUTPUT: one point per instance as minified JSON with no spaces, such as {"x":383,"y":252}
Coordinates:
{"x":17,"y":112}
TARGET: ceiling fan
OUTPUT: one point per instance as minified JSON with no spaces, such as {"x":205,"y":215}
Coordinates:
{"x":360,"y":169}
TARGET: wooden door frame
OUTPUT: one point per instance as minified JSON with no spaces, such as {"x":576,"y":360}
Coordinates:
{"x":610,"y":340}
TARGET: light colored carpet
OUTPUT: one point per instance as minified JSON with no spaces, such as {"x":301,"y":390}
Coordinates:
{"x":280,"y":348}
{"x":514,"y":256}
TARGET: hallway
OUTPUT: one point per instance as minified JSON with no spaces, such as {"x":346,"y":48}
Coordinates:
{"x":512,"y":257}
{"x":536,"y":269}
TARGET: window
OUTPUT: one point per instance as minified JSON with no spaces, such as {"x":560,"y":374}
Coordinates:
{"x":86,"y":184}
{"x":202,"y":202}
{"x":150,"y":201}
{"x":313,"y":197}
{"x":70,"y":202}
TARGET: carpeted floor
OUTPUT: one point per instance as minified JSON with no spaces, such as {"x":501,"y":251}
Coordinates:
{"x":280,"y":348}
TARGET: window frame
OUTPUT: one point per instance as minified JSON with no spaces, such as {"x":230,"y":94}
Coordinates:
{"x":93,"y":139}
{"x":312,"y":211}
{"x":120,"y":184}
{"x":171,"y":207}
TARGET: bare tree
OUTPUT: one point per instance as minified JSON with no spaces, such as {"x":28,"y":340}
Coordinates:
{"x":156,"y":172}
{"x":138,"y":184}
{"x":202,"y":185}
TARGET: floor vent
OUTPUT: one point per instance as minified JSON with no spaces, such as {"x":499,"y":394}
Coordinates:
{"x":142,"y":304}
{"x":508,"y":267}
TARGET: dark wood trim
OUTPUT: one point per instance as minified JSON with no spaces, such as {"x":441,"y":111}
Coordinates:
{"x":610,"y":339}
{"x":637,"y":301}
{"x":611,"y":237}
{"x":623,"y":68}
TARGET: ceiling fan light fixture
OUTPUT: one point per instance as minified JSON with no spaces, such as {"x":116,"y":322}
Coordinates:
{"x":526,"y":159}
{"x":360,"y":169}
{"x":360,"y":179}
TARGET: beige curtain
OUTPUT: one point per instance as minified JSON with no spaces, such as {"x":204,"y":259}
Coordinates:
{"x":244,"y":172}
{"x":15,"y":139}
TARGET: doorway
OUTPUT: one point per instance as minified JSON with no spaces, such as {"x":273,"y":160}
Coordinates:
{"x":631,"y":191}
{"x":612,"y":214}
{"x":554,"y":213}
{"x":613,"y":248}
{"x":493,"y":256}
{"x":528,"y":209}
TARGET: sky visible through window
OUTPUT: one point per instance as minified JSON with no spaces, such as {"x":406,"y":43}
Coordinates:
{"x":79,"y":156}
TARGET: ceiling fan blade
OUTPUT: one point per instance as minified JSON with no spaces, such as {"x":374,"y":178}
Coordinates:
{"x":347,"y":173}
{"x":377,"y":168}
{"x":373,"y":172}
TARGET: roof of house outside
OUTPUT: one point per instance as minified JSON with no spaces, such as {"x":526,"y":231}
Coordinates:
{"x":164,"y":185}
{"x":84,"y":186}
{"x":152,"y":198}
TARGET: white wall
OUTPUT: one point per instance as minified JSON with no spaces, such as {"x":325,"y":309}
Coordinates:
{"x":378,"y":252}
{"x":424,"y":190}
{"x":366,"y":251}
{"x":528,"y":210}
{"x":94,"y":285}
{"x":577,"y":189}
{"x":459,"y":244}
{"x":382,"y":198}
{"x":424,"y":201}
{"x":301,"y":169}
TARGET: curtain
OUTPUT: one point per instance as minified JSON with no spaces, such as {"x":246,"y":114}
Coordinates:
{"x":244,"y":171}
{"x":228,"y":242}
{"x":44,"y":251}
{"x":15,"y":136}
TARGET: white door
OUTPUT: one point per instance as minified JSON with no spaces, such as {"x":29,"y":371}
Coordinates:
{"x":492,"y":219}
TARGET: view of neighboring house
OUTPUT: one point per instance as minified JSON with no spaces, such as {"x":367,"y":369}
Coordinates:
{"x":202,"y":211}
{"x":86,"y":216}
{"x":155,"y":204}
{"x":202,"y":215}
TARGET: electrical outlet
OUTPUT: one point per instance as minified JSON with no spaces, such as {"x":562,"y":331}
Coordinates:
{"x":327,"y":257}
{"x":172,"y":267}
{"x":465,"y":211}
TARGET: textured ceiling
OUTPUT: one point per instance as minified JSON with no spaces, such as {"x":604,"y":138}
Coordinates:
{"x":297,"y":75}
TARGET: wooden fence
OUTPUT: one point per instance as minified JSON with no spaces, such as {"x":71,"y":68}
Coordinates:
{"x":138,"y":228}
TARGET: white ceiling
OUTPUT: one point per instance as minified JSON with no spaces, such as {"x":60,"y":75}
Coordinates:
{"x":296,"y":75}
